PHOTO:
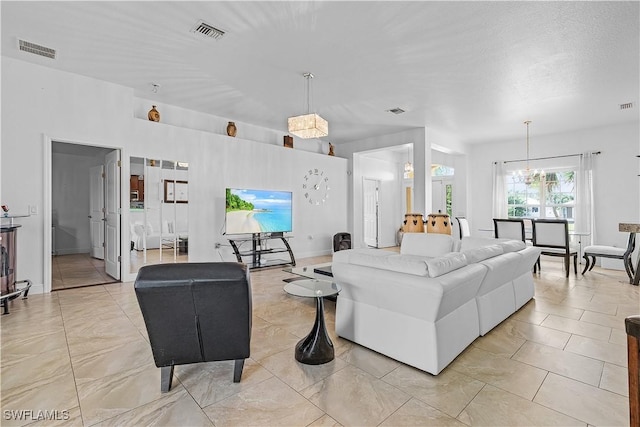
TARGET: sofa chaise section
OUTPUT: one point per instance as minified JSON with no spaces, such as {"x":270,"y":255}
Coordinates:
{"x":422,"y":321}
{"x":425,"y":305}
{"x":508,"y":283}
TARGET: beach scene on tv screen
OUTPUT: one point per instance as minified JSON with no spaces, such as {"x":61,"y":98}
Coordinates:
{"x":257,"y":211}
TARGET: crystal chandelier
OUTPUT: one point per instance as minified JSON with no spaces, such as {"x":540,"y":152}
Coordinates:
{"x":527,"y":176}
{"x":309,"y":125}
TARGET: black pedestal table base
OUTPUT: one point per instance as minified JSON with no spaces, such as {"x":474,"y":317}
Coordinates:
{"x":316,"y":348}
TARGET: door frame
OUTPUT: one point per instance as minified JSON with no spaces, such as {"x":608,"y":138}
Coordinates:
{"x":377,"y":194}
{"x":446,"y":180}
{"x":46,"y":210}
{"x":97,"y":251}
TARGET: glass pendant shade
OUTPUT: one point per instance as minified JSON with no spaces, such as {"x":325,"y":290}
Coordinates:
{"x":308,"y":126}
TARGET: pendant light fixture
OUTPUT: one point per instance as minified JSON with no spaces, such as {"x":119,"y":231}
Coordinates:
{"x":527,"y":177}
{"x":309,"y":125}
{"x":408,"y":167}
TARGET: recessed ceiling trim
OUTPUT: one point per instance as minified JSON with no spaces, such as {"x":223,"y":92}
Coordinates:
{"x":36,"y":49}
{"x":207,"y":30}
{"x":396,"y":110}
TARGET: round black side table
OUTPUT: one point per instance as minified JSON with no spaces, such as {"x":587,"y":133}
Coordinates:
{"x":316,"y":348}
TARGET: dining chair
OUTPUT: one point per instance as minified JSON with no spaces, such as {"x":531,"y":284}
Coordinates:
{"x":508,"y":229}
{"x":552,"y":236}
{"x":463,"y":226}
{"x":602,"y":251}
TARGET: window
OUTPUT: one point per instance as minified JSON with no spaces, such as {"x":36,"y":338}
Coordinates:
{"x":442,"y":170}
{"x":549,"y":196}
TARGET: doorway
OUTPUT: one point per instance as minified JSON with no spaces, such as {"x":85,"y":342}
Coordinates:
{"x":158,"y":212}
{"x":442,"y":195}
{"x":85,"y":215}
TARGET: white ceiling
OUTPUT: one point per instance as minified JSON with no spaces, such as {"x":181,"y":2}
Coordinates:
{"x":474,"y":70}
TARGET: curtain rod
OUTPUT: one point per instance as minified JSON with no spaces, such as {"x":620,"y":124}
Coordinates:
{"x":547,"y":158}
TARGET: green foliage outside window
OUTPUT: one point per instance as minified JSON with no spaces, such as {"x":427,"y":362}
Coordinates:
{"x":449,"y":198}
{"x":549,"y":196}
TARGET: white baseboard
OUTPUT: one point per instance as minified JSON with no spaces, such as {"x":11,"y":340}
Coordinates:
{"x":36,"y":289}
{"x":611,"y":264}
{"x":72,"y":251}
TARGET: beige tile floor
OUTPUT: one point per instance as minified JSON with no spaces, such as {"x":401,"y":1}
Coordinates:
{"x":559,"y":361}
{"x":79,"y":270}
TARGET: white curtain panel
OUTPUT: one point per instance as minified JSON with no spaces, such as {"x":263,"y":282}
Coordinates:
{"x":584,"y":220}
{"x":499,"y":190}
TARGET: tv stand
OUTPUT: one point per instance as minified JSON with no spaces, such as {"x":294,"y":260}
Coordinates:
{"x":259,"y":247}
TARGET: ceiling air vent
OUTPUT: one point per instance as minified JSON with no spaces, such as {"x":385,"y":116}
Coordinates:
{"x":626,"y":106}
{"x":396,"y":110}
{"x":207,"y":30}
{"x":36,"y":49}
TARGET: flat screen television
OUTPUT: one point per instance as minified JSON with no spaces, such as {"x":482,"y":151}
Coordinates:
{"x":258,"y":211}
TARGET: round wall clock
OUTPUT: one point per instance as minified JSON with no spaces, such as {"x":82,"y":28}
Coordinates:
{"x":316,"y":187}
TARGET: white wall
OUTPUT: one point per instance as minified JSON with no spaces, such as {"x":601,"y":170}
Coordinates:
{"x":616,"y":185}
{"x":40,"y":104}
{"x":218,"y":161}
{"x":181,"y":117}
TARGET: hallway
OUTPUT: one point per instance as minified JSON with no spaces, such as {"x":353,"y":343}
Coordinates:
{"x":77,"y":270}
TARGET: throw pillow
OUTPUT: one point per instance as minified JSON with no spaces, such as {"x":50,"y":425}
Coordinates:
{"x":400,"y":263}
{"x":480,"y":254}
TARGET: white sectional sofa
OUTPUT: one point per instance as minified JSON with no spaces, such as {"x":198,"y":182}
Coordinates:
{"x":425,"y":305}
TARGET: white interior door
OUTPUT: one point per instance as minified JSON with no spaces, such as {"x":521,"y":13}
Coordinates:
{"x":96,"y":211}
{"x":439,"y":188}
{"x":370,"y":205}
{"x":437,"y":196}
{"x":112,"y":208}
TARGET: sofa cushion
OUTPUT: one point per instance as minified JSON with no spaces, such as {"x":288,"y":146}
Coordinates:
{"x":604,"y":250}
{"x":445,"y":264}
{"x":482,"y":253}
{"x":408,"y":264}
{"x":426,"y":244}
